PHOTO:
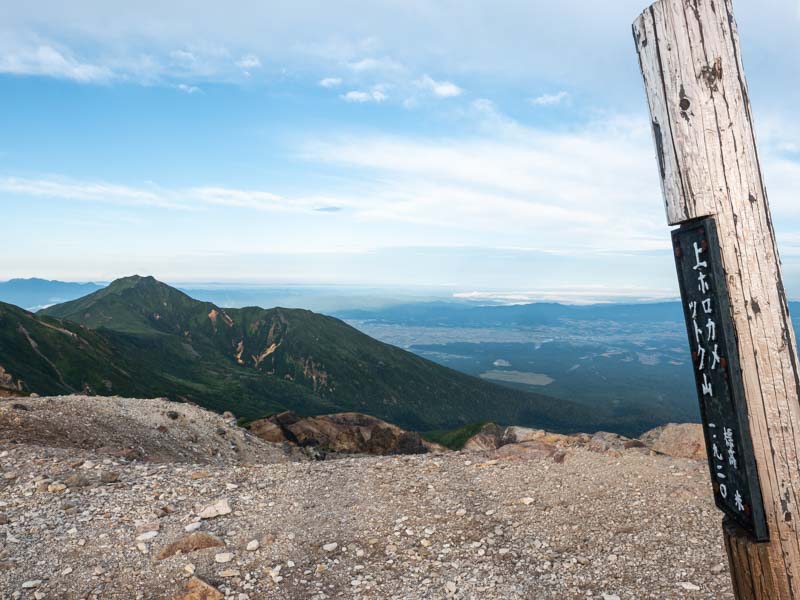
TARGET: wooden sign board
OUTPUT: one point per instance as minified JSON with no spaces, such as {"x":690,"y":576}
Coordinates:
{"x":712,"y":339}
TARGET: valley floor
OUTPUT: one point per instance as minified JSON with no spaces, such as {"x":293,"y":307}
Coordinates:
{"x":455,"y":525}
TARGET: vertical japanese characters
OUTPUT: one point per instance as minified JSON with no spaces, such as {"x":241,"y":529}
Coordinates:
{"x":702,"y":312}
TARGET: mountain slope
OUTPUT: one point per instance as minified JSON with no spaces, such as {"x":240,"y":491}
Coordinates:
{"x":255,"y":361}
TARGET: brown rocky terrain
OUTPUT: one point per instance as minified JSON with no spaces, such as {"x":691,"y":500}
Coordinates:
{"x":342,"y":433}
{"x":544,"y":517}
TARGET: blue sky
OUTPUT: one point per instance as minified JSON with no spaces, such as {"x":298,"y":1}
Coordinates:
{"x":491,"y":148}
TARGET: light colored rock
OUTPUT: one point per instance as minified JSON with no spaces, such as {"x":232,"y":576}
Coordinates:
{"x":32,"y":583}
{"x":223,"y":557}
{"x":680,"y":440}
{"x":253,"y":545}
{"x":330,"y":547}
{"x":146,"y":536}
{"x":218,"y":509}
{"x":689,"y":587}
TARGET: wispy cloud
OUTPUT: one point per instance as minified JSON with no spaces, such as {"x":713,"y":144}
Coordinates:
{"x":375,"y":64}
{"x":101,"y":192}
{"x":329,"y":82}
{"x":376,"y":94}
{"x":189,"y":89}
{"x":152,"y":195}
{"x":442,"y":89}
{"x":551,"y":99}
{"x":45,"y":60}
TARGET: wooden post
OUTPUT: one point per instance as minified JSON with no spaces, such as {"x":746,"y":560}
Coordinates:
{"x":708,"y":164}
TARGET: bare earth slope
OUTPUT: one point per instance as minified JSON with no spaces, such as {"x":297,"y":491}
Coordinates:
{"x":152,"y":430}
{"x":79,"y":524}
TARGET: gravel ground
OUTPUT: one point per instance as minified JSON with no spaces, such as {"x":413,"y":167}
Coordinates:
{"x":78,"y":524}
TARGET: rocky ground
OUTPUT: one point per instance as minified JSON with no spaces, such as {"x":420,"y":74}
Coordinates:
{"x":579,"y":523}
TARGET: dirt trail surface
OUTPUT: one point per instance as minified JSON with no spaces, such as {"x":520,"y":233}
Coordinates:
{"x":78,"y":524}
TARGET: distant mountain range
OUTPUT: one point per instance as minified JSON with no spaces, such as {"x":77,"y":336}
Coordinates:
{"x":140,"y":337}
{"x":34,"y":294}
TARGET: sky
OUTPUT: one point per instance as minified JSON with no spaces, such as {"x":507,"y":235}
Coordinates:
{"x":492,"y":148}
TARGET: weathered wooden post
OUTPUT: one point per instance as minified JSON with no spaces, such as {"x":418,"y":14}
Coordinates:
{"x":744,"y":349}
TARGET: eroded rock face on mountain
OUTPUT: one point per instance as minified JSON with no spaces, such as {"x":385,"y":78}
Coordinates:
{"x":8,"y":386}
{"x":344,"y":433}
{"x":683,"y":440}
{"x":536,"y":518}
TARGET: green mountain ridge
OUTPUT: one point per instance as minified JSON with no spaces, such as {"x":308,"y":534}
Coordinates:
{"x":141,"y":337}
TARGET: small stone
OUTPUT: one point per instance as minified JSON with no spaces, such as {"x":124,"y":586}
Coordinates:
{"x":425,"y":542}
{"x":527,"y":501}
{"x":461,"y":512}
{"x":193,"y":527}
{"x":330,"y":547}
{"x":67,"y":571}
{"x":190,"y":543}
{"x":10,"y":475}
{"x":146,"y":536}
{"x":189,"y":568}
{"x":33,"y":583}
{"x":253,"y":546}
{"x":77,"y":480}
{"x":109,"y":477}
{"x":229,"y":573}
{"x":610,"y":597}
{"x":450,"y":587}
{"x":689,"y":587}
{"x":56,"y":488}
{"x":219,"y":508}
{"x":223,"y":557}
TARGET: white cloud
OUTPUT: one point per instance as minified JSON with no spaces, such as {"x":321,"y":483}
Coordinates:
{"x":183,"y":57}
{"x":376,"y":94}
{"x":85,"y":191}
{"x":248,"y":62}
{"x":329,"y":82}
{"x":189,"y":89}
{"x":513,"y":182}
{"x":375,"y":64}
{"x":190,"y":198}
{"x":550,"y":99}
{"x":442,"y":89}
{"x":45,"y":60}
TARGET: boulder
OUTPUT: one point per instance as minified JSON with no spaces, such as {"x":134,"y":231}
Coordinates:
{"x":197,"y":589}
{"x":528,"y":451}
{"x":681,"y":440}
{"x":490,"y":437}
{"x":346,"y":433}
{"x":268,"y":431}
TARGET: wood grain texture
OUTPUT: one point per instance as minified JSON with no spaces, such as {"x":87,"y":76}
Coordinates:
{"x":708,"y":162}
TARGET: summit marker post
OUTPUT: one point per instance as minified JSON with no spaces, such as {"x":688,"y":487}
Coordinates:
{"x":743,"y":345}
